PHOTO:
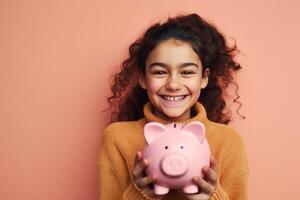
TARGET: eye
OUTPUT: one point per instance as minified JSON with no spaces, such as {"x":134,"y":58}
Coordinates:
{"x":188,"y":72}
{"x":159,"y":72}
{"x":166,"y":147}
{"x":181,"y":146}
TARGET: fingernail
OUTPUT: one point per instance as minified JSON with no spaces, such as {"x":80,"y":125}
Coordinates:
{"x":213,"y":159}
{"x":139,"y":153}
{"x":145,"y":161}
{"x":152,"y":178}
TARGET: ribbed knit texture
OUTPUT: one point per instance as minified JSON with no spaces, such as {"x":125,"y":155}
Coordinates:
{"x":122,"y":140}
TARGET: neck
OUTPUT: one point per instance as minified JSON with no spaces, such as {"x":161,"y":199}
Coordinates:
{"x":185,"y":116}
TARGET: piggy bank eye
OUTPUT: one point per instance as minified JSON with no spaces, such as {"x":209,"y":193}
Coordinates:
{"x":166,"y":147}
{"x":181,"y":146}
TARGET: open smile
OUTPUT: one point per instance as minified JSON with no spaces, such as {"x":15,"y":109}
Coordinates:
{"x":173,"y":101}
{"x":174,"y":98}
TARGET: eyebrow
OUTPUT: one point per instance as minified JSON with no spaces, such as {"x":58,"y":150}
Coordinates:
{"x":165,"y":65}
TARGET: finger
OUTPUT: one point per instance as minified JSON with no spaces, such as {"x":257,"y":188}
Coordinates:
{"x":200,"y":196}
{"x":210,"y":175}
{"x":138,"y":157}
{"x":139,"y":168}
{"x":213,"y":163}
{"x":145,"y":181}
{"x":205,"y":186}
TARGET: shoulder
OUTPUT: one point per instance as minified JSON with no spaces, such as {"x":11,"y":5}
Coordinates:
{"x":123,"y":138}
{"x":124,"y":125}
{"x":225,"y":134}
{"x":123,"y":129}
{"x":228,"y":146}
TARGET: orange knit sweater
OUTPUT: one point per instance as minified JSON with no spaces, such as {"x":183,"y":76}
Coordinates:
{"x":122,"y":140}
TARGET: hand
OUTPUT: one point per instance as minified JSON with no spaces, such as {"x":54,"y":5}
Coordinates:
{"x":140,"y":178}
{"x":208,"y":184}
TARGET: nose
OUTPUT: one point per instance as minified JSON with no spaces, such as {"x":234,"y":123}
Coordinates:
{"x":174,"y":165}
{"x":173,"y":83}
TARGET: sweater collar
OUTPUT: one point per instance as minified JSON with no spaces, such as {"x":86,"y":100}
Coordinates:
{"x":198,"y":107}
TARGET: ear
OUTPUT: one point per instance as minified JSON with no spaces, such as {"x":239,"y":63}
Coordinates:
{"x":142,"y":82}
{"x":152,"y":130}
{"x":204,"y":80}
{"x":196,"y":128}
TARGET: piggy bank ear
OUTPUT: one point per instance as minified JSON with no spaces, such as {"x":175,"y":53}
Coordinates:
{"x":196,"y":128}
{"x":152,"y":130}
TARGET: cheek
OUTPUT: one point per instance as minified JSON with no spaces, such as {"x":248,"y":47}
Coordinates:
{"x":154,"y":85}
{"x":194,"y":84}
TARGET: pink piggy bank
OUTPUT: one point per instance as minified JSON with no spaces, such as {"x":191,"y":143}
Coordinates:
{"x":175,"y":153}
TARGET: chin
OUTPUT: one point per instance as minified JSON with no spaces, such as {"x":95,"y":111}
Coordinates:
{"x":174,"y":116}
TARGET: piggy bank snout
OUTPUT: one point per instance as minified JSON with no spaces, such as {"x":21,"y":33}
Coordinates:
{"x":174,"y":165}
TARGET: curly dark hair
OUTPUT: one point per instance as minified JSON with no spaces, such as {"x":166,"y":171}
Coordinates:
{"x":129,"y":98}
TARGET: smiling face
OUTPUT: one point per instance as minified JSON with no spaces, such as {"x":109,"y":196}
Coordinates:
{"x":173,"y":79}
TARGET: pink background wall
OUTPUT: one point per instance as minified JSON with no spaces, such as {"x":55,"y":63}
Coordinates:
{"x":56,"y":58}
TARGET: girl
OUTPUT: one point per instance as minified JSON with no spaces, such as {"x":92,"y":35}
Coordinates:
{"x":176,"y":72}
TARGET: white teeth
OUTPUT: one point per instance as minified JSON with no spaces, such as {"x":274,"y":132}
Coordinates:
{"x":177,"y":98}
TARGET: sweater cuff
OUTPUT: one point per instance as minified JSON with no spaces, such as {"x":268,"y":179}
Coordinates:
{"x":135,"y":193}
{"x":219,"y":194}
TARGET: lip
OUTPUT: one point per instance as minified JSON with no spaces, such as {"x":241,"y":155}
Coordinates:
{"x":173,"y":95}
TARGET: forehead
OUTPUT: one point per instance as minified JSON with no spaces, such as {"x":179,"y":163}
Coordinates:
{"x":173,"y":52}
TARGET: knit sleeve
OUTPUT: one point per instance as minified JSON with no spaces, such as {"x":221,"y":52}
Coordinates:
{"x":110,"y":188}
{"x":234,"y":171}
{"x":113,"y":179}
